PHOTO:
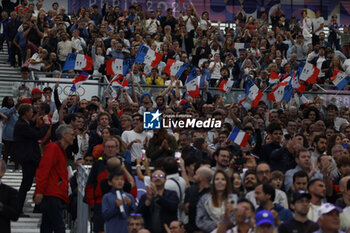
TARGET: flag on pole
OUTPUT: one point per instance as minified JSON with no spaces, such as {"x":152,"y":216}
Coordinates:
{"x":192,"y":83}
{"x":174,"y":67}
{"x":78,"y":81}
{"x":148,"y":56}
{"x":309,"y":73}
{"x":340,"y":79}
{"x":120,"y":84}
{"x":274,"y":78}
{"x":117,"y":66}
{"x":253,"y":93}
{"x":239,"y":137}
{"x":283,"y":91}
{"x":226,"y":85}
{"x":78,"y":62}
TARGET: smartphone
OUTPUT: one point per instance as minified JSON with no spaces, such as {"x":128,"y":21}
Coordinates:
{"x":232,"y":199}
{"x":147,"y":181}
{"x":177,"y":155}
{"x":143,"y":154}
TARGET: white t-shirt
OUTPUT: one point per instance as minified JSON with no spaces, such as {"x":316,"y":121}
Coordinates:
{"x":131,"y":135}
{"x":189,"y":24}
{"x":316,"y":23}
{"x":204,"y":24}
{"x":313,"y":212}
{"x":38,"y":66}
{"x":216,"y":72}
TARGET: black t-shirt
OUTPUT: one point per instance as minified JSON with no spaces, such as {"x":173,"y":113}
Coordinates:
{"x":34,"y":37}
{"x":298,"y":227}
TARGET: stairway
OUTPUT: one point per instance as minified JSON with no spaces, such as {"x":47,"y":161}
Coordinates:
{"x":7,"y":72}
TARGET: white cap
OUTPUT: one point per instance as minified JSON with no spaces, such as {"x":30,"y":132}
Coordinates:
{"x":326,"y":208}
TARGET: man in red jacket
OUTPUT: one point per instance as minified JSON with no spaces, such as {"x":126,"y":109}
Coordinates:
{"x":52,"y":181}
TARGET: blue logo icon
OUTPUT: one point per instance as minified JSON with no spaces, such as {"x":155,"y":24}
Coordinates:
{"x":151,"y":120}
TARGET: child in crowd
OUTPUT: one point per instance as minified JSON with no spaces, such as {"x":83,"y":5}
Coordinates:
{"x":117,"y":205}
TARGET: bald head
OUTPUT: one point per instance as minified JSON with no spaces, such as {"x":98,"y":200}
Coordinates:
{"x":343,"y":183}
{"x":113,"y":165}
{"x":206,"y":173}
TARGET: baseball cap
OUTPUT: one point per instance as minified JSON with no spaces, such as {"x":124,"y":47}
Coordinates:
{"x":36,"y":90}
{"x":264,"y":216}
{"x":297,"y":195}
{"x":326,"y":208}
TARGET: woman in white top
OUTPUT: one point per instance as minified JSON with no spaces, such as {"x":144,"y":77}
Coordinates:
{"x":37,"y":60}
{"x":214,"y":68}
{"x":79,"y":42}
{"x":212,"y":205}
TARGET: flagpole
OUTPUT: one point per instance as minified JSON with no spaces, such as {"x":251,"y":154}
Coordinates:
{"x":320,"y":87}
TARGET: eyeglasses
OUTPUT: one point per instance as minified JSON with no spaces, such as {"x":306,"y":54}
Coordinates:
{"x":155,"y":176}
{"x":110,"y":147}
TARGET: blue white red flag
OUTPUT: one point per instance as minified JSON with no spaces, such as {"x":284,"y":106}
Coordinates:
{"x":239,"y":137}
{"x":78,"y":81}
{"x":78,"y":62}
{"x":192,"y":83}
{"x":253,"y":93}
{"x":117,"y":66}
{"x":175,"y":68}
{"x":148,"y":56}
{"x":340,"y":79}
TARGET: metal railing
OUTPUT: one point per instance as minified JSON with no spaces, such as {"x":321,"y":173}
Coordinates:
{"x":82,"y":224}
{"x":235,"y":95}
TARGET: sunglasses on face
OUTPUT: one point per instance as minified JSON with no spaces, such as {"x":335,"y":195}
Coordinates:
{"x":158,"y":176}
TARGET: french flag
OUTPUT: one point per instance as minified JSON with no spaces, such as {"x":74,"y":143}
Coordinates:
{"x":340,"y":79}
{"x":226,"y":85}
{"x":78,"y":62}
{"x":118,"y":84}
{"x":283,"y":91}
{"x":148,"y":56}
{"x":175,"y":68}
{"x":192,"y":83}
{"x":239,"y":137}
{"x":253,"y":93}
{"x":78,"y":81}
{"x":309,"y":73}
{"x":274,"y":78}
{"x":117,"y":66}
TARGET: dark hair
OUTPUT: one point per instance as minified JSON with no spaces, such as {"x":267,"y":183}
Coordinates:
{"x":111,"y":175}
{"x":332,"y":106}
{"x":214,"y":195}
{"x":274,"y":127}
{"x":23,"y":109}
{"x":170,"y":166}
{"x":24,"y":69}
{"x":343,"y":161}
{"x":302,"y":150}
{"x":200,"y":163}
{"x":190,"y":160}
{"x":5,"y":102}
{"x":217,"y":152}
{"x":69,"y":118}
{"x":250,"y":172}
{"x":312,"y":109}
{"x":247,"y":201}
{"x":300,"y":174}
{"x":268,"y":189}
{"x":318,"y":137}
{"x":45,"y":107}
{"x":311,"y":182}
{"x":47,"y":89}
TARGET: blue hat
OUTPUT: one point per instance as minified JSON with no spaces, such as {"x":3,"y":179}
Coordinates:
{"x":264,"y":216}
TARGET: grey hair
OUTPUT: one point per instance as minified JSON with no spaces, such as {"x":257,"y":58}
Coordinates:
{"x":62,"y":129}
{"x":3,"y":165}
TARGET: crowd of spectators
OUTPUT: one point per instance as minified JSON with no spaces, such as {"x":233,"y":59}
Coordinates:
{"x":292,"y":175}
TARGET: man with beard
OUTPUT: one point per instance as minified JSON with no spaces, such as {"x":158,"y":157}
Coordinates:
{"x":222,"y":157}
{"x":317,"y":190}
{"x":250,"y":180}
{"x":135,"y":223}
{"x":264,"y":196}
{"x":158,"y":206}
{"x":263,"y":172}
{"x":202,"y":179}
{"x":300,"y":223}
{"x":160,"y":101}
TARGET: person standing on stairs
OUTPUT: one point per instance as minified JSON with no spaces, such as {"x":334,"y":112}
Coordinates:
{"x":52,"y":181}
{"x":8,"y":202}
{"x":26,"y":148}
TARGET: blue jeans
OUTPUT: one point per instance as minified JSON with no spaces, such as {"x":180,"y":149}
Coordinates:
{"x":52,"y":218}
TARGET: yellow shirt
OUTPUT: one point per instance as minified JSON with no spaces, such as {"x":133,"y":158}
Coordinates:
{"x":158,"y":81}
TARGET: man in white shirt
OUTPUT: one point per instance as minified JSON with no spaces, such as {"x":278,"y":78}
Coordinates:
{"x":317,"y":190}
{"x":175,"y":183}
{"x":189,"y":19}
{"x":137,"y":138}
{"x":152,"y":23}
{"x":317,"y":25}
